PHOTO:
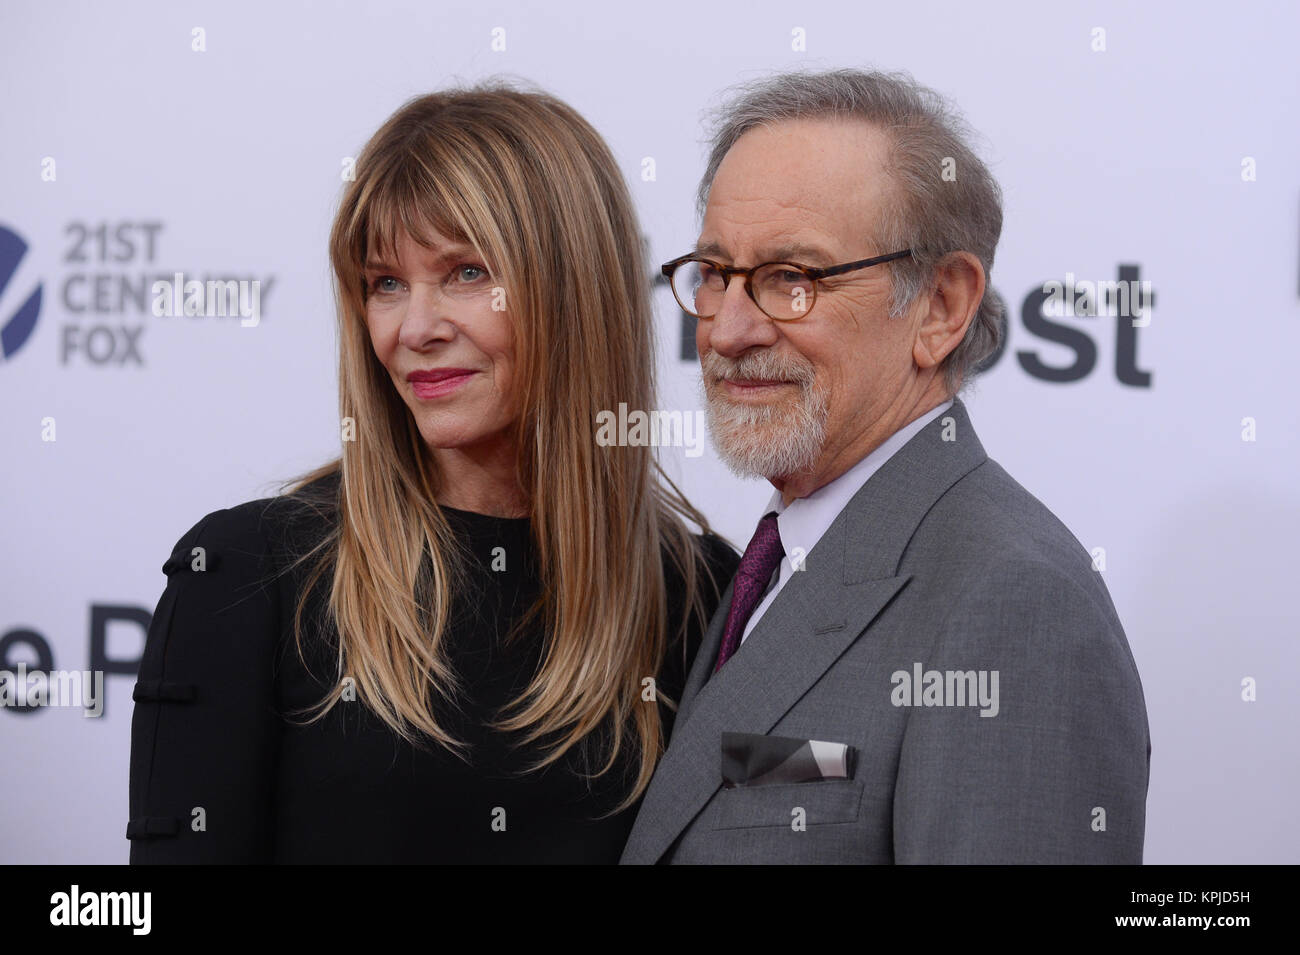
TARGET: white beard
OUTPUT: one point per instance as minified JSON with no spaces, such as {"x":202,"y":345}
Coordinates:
{"x":768,"y":441}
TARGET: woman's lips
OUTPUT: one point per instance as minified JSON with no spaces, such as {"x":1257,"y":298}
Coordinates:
{"x":434,"y":385}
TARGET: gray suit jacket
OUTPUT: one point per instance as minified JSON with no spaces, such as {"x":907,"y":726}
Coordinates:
{"x":941,"y":562}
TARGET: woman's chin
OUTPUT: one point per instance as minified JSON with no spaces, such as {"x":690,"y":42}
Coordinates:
{"x":458,"y":439}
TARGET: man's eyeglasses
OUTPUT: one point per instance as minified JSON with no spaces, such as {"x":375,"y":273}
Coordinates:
{"x":782,"y":290}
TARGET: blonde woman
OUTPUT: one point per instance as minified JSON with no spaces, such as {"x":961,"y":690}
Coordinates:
{"x":462,"y":640}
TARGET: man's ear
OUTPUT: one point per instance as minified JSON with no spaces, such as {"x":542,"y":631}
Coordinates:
{"x":954,"y":297}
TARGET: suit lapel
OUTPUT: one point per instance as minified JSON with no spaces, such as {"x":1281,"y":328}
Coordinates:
{"x":795,"y":642}
{"x":850,"y":575}
{"x":707,"y":655}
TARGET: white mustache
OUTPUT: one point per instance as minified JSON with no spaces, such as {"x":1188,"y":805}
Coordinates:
{"x":763,"y":366}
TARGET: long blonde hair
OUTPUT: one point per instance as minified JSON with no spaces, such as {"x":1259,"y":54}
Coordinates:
{"x":529,"y":183}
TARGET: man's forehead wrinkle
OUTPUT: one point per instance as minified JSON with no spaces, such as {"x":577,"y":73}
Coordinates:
{"x":817,"y":199}
{"x":761,"y":208}
{"x":865,"y":160}
{"x":768,"y":229}
{"x":797,"y":204}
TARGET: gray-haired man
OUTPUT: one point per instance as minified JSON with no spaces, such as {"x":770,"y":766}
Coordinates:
{"x":916,"y":661}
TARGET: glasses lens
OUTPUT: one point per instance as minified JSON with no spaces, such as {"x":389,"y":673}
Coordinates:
{"x":699,"y":288}
{"x":783,"y":291}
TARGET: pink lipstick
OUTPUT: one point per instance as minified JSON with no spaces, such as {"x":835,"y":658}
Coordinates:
{"x":437,"y":382}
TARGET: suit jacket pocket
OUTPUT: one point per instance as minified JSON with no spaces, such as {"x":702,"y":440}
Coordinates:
{"x":823,"y":803}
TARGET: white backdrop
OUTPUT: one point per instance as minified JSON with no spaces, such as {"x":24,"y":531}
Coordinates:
{"x":125,"y":154}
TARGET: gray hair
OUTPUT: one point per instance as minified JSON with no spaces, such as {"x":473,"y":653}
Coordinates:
{"x":928,"y":213}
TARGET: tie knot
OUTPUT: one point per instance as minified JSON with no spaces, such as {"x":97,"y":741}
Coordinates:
{"x":764,"y":552}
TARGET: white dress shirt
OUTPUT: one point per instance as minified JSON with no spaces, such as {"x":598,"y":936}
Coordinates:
{"x":803,"y":523}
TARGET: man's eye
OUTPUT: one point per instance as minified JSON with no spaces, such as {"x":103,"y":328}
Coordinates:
{"x":791,"y":277}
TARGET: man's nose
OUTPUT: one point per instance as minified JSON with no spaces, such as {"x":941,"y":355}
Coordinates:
{"x":740,"y":324}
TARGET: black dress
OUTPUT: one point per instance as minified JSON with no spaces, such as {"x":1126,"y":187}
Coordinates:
{"x":218,"y":774}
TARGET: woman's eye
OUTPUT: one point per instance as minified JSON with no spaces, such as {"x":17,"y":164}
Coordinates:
{"x":467,"y":274}
{"x":382,"y":284}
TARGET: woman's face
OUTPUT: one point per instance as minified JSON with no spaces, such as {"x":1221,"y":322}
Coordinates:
{"x":438,"y":323}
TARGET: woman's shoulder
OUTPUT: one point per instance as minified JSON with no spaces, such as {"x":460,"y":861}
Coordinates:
{"x":719,"y":552}
{"x":715,"y":559}
{"x":720,"y":558}
{"x":267,"y":528}
{"x":715,"y":566}
{"x":213,"y":678}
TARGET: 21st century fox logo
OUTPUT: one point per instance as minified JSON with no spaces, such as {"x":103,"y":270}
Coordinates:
{"x":113,"y":288}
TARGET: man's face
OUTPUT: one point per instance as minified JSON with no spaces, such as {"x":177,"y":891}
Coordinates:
{"x":802,"y":397}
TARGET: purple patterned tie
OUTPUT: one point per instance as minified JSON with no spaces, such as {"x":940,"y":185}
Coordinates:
{"x":761,"y":557}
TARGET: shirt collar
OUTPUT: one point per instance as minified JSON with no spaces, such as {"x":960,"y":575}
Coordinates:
{"x":802,"y":523}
